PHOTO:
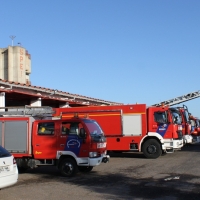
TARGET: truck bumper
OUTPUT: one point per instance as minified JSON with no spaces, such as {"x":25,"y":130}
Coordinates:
{"x":170,"y":145}
{"x":188,"y":139}
{"x":99,"y":160}
{"x":95,"y":161}
{"x":177,"y":144}
{"x":195,"y":139}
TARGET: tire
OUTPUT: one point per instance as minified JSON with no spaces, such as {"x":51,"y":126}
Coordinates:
{"x":22,"y":169}
{"x":151,"y":149}
{"x":85,"y":169}
{"x":68,"y":167}
{"x":164,"y":153}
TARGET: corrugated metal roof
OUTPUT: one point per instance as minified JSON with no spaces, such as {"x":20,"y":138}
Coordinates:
{"x":51,"y":94}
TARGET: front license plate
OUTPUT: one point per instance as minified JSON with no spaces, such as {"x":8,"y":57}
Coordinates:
{"x":101,"y":145}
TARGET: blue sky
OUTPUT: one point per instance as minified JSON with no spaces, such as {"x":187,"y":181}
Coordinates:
{"x":124,"y":51}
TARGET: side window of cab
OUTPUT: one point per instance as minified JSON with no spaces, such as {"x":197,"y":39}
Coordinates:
{"x":65,"y":126}
{"x":46,"y":128}
{"x":160,"y":117}
{"x":71,"y":128}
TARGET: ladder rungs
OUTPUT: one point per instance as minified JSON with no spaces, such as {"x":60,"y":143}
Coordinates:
{"x":26,"y":110}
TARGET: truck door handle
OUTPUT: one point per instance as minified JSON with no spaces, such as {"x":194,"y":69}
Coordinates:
{"x":37,"y":144}
{"x":61,"y":144}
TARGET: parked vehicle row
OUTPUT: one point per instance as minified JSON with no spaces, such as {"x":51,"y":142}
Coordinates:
{"x":152,"y":130}
{"x":135,"y":127}
{"x":190,"y":124}
{"x":78,"y":138}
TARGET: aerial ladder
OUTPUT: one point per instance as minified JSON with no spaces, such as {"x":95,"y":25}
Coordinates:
{"x":178,"y":100}
{"x":34,"y":111}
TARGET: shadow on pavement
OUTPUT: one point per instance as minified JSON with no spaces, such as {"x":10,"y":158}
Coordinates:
{"x":121,"y":186}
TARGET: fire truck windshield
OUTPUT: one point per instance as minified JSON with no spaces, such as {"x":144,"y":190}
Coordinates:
{"x":197,"y":122}
{"x":93,"y":127}
{"x":176,"y":117}
{"x":186,"y":116}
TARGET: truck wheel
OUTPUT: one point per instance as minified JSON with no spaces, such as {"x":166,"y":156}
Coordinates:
{"x":151,"y":149}
{"x":164,"y":153}
{"x":85,"y":168}
{"x":68,"y":167}
{"x":22,"y":169}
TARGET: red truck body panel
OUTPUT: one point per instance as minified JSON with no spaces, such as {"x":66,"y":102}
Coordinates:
{"x":110,"y":119}
{"x":14,"y":128}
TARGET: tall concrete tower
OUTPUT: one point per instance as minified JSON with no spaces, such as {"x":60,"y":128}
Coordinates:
{"x":15,"y":64}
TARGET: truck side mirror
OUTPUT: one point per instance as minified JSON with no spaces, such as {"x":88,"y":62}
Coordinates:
{"x":176,"y":119}
{"x":82,"y":133}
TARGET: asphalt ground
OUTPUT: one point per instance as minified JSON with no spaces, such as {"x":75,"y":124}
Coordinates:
{"x":173,"y":176}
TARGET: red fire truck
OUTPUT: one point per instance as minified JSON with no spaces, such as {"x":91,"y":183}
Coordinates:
{"x":135,"y":127}
{"x":190,"y":126}
{"x":186,"y":124}
{"x":35,"y":139}
{"x":195,"y":130}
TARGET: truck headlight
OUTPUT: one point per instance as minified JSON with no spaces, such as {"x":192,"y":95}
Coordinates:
{"x":92,"y":154}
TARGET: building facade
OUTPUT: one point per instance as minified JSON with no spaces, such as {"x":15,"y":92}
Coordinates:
{"x":15,"y":64}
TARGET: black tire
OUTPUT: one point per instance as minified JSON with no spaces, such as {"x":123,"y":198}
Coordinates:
{"x":22,"y":170}
{"x":85,"y":169}
{"x":164,"y":153}
{"x":68,"y":167}
{"x":151,"y":149}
